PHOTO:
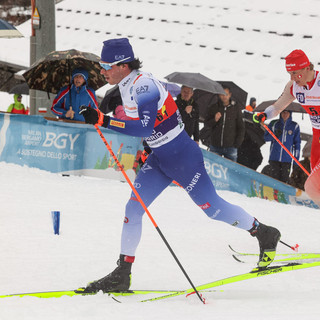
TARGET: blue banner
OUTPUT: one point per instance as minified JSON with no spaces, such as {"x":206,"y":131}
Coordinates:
{"x":69,"y":148}
{"x":77,"y":149}
{"x":228,"y":175}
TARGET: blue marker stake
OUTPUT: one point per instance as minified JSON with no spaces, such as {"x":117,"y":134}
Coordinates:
{"x":56,"y":221}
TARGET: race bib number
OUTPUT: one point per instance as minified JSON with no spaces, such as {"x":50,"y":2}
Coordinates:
{"x":315,"y":121}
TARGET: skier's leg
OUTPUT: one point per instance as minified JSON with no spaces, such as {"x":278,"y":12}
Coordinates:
{"x":312,"y":185}
{"x":192,"y":175}
{"x":149,"y":183}
{"x":198,"y":184}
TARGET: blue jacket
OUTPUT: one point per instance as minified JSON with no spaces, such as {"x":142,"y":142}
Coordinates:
{"x":79,"y":96}
{"x":289,"y":134}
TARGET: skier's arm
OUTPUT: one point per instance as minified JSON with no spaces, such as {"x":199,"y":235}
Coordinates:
{"x":146,"y":95}
{"x":284,"y":100}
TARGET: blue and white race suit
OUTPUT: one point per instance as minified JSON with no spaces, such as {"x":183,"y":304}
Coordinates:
{"x":175,"y":156}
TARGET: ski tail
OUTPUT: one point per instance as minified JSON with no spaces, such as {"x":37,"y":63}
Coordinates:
{"x":255,"y":273}
{"x":77,"y":292}
{"x":244,"y":257}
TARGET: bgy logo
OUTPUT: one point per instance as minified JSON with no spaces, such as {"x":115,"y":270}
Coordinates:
{"x":60,"y":141}
{"x":300,"y":97}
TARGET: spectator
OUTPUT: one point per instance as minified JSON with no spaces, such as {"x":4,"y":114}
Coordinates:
{"x":288,"y":132}
{"x":67,"y":103}
{"x":17,"y":106}
{"x":252,"y":105}
{"x":249,"y":153}
{"x":227,"y":126}
{"x":189,"y":111}
{"x":298,"y":176}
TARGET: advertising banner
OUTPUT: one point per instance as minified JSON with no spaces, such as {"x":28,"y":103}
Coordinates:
{"x":228,"y":175}
{"x":68,"y":148}
{"x":77,"y":149}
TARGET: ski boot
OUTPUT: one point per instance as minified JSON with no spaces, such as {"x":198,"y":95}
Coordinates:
{"x":268,"y":238}
{"x":118,"y":280}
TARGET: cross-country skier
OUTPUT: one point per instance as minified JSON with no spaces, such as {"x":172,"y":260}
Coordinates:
{"x":304,"y":85}
{"x":175,"y":156}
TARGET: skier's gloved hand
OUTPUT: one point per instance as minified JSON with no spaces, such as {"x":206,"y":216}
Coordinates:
{"x":259,"y":117}
{"x":94,"y":116}
{"x":143,"y":157}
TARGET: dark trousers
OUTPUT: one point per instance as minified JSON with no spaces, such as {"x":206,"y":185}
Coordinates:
{"x":229,"y":153}
{"x":280,"y":170}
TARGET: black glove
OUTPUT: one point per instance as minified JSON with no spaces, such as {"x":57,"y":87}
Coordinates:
{"x":94,"y":116}
{"x":259,"y":117}
{"x":278,"y":133}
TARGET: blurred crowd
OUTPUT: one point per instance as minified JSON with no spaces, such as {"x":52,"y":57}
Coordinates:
{"x":226,"y":126}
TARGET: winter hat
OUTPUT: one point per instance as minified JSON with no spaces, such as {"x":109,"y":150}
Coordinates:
{"x":15,"y":98}
{"x":81,"y":72}
{"x":296,"y":60}
{"x":252,"y":100}
{"x":117,"y":49}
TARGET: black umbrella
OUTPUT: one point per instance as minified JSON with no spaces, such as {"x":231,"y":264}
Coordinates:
{"x":195,"y":81}
{"x":204,"y":99}
{"x":21,"y":88}
{"x":293,"y":106}
{"x":111,"y":100}
{"x":53,"y":72}
{"x":238,"y":94}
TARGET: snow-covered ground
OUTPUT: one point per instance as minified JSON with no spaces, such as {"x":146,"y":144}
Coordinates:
{"x":92,"y":210}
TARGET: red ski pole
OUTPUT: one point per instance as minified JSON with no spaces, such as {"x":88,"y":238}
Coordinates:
{"x":289,"y":153}
{"x":147,"y":211}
